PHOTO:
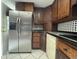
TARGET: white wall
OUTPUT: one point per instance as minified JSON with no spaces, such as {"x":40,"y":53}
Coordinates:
{"x":4,"y":29}
{"x":5,"y":5}
{"x":9,"y":3}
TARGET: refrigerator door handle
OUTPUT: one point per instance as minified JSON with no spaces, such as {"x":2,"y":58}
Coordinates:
{"x":17,"y":21}
{"x":19,"y":25}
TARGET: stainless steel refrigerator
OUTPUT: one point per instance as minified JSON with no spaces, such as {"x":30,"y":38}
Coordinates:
{"x":20,"y":31}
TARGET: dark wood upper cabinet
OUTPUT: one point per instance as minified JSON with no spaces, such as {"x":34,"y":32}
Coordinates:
{"x":38,"y":16}
{"x":29,"y":7}
{"x":22,"y":6}
{"x":47,"y":19}
{"x":63,"y":8}
{"x":60,"y":9}
{"x":54,"y":10}
{"x":47,"y":15}
{"x":73,"y":2}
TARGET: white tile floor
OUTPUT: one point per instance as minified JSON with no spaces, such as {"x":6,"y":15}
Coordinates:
{"x":36,"y":54}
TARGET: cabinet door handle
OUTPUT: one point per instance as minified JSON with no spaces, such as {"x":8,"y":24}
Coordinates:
{"x":65,"y":49}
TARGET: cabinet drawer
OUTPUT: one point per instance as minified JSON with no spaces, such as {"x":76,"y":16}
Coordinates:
{"x":36,"y":34}
{"x":67,"y":50}
{"x":36,"y":39}
{"x":36,"y":45}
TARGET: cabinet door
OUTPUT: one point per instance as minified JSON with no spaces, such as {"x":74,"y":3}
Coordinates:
{"x":36,"y":45}
{"x":20,"y":6}
{"x":24,"y":6}
{"x":73,"y":2}
{"x":36,"y":39}
{"x":29,"y":7}
{"x":60,"y":55}
{"x":67,"y":51}
{"x":36,"y":42}
{"x":38,"y":16}
{"x":63,"y":8}
{"x":36,"y":34}
{"x":55,"y":11}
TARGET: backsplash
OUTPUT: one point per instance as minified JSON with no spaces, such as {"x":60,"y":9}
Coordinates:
{"x":70,"y":26}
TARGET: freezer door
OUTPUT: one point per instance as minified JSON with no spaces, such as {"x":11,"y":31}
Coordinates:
{"x":13,"y":41}
{"x":13,"y":31}
{"x":13,"y":16}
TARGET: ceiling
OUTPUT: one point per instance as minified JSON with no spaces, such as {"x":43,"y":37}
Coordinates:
{"x":38,"y":3}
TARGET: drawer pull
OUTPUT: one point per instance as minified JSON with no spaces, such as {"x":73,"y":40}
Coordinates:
{"x":65,"y":49}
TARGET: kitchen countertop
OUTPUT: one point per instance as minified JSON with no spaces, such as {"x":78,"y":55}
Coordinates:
{"x":72,"y":41}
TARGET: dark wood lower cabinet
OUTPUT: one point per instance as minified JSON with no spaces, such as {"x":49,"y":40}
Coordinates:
{"x":36,"y":45}
{"x":36,"y":40}
{"x":60,"y":55}
{"x":39,"y":40}
{"x":65,"y":50}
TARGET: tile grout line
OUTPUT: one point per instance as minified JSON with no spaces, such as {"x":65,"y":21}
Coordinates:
{"x":34,"y":57}
{"x":27,"y":55}
{"x":6,"y":56}
{"x":40,"y":55}
{"x":47,"y":56}
{"x":20,"y":56}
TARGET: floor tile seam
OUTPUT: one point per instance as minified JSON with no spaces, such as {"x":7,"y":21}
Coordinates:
{"x":47,"y":56}
{"x":41,"y":55}
{"x":27,"y":56}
